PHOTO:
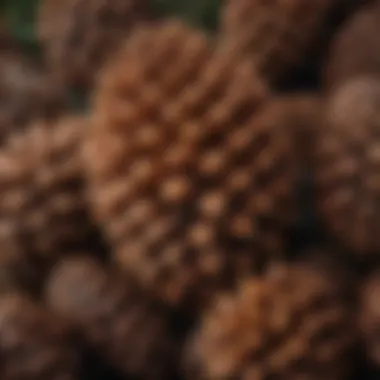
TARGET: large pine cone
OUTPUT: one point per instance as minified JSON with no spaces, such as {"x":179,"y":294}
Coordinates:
{"x":370,"y":316}
{"x":43,"y":209}
{"x":274,"y":34}
{"x":34,"y":344}
{"x":355,"y":49}
{"x":296,"y":324}
{"x":79,"y":35}
{"x":191,"y":184}
{"x":27,"y":93}
{"x":348,"y":163}
{"x":116,"y":318}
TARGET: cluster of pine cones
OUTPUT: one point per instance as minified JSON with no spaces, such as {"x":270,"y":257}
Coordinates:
{"x":213,"y":215}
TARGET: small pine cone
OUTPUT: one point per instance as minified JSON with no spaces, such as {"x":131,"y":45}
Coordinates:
{"x":43,"y":209}
{"x":34,"y":344}
{"x":192,"y":185}
{"x":347,"y":166}
{"x":27,"y":93}
{"x":355,"y":49}
{"x":116,"y":318}
{"x":275,"y":35}
{"x":79,"y":35}
{"x":295,"y":324}
{"x":370,"y":317}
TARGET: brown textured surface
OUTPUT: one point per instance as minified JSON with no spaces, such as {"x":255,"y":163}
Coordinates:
{"x":42,"y":206}
{"x":190,"y":185}
{"x":275,"y":35}
{"x":296,"y":324}
{"x":300,"y":114}
{"x":79,"y":35}
{"x":355,"y":49}
{"x":34,"y":344}
{"x":370,"y":316}
{"x":26,"y":93}
{"x":116,"y":318}
{"x":348,"y":163}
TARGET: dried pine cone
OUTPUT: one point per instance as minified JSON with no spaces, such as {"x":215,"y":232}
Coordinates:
{"x":79,"y":35}
{"x":34,"y":344}
{"x":348,"y":162}
{"x":191,"y":185}
{"x":295,"y":324}
{"x":274,"y":34}
{"x":26,"y":93}
{"x":370,"y":317}
{"x":42,"y":205}
{"x":116,"y":318}
{"x":355,"y":50}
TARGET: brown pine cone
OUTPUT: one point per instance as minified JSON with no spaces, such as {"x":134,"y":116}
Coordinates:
{"x":115,"y":317}
{"x":275,"y":35}
{"x":348,"y":163}
{"x":355,"y":49}
{"x":43,"y":209}
{"x":27,"y":93}
{"x":296,"y":324}
{"x":191,"y":184}
{"x":34,"y":344}
{"x":79,"y":35}
{"x":370,"y":317}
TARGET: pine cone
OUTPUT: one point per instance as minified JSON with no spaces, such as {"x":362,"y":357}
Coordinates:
{"x":116,"y":318}
{"x":191,"y":185}
{"x":34,"y":344}
{"x":295,"y":324}
{"x":355,"y":50}
{"x":348,"y":162}
{"x":27,"y":93}
{"x":79,"y":35}
{"x":370,"y":317}
{"x":42,"y":205}
{"x":274,"y":34}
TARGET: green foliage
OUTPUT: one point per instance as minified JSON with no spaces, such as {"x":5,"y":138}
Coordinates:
{"x":20,"y":17}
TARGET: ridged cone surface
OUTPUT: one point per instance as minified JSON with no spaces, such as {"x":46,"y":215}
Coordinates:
{"x":27,"y":93}
{"x":116,"y":318}
{"x":193,"y":183}
{"x":43,"y":208}
{"x":34,"y":344}
{"x":80,"y":35}
{"x":370,"y":316}
{"x":295,"y":324}
{"x":275,"y":35}
{"x":348,"y":163}
{"x":355,"y":48}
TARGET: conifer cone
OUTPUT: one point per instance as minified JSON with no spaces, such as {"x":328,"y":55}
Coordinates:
{"x":115,"y":317}
{"x":347,"y":166}
{"x":370,"y":317}
{"x":79,"y":35}
{"x":34,"y":344}
{"x":355,"y":49}
{"x":194,"y":182}
{"x":294,"y":324}
{"x":275,"y":35}
{"x":43,"y":209}
{"x":27,"y":92}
